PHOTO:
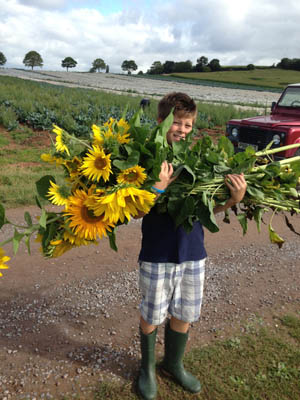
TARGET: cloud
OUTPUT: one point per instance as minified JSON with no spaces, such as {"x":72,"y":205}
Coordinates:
{"x":248,"y":31}
{"x":44,"y":4}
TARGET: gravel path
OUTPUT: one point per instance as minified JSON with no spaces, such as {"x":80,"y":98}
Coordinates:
{"x":145,"y":87}
{"x":68,"y":323}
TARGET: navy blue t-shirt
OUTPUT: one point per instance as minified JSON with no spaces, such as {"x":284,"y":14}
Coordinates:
{"x":163,"y":242}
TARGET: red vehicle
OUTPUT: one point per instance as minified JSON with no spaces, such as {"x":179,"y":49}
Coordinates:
{"x":282,"y":126}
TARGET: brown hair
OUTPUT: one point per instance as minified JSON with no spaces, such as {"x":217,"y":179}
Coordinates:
{"x":184,"y":106}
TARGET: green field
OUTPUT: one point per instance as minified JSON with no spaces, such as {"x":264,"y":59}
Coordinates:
{"x":266,"y":78}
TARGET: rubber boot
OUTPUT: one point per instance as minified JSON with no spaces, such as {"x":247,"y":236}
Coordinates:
{"x":147,"y":385}
{"x":175,"y":343}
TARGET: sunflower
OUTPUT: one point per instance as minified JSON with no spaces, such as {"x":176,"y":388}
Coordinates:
{"x":116,"y":131}
{"x":75,"y":240}
{"x":3,"y":260}
{"x":52,"y":159}
{"x":61,"y":140}
{"x":83,"y":222}
{"x":58,"y":247}
{"x":96,"y":164}
{"x":123,"y":203}
{"x":73,"y":166}
{"x":58,"y":195}
{"x":134,"y":175}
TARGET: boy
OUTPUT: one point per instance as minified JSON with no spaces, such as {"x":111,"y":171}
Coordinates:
{"x":172,"y":265}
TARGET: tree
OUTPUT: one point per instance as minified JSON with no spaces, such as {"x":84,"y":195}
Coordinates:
{"x":2,"y":58}
{"x":169,"y":67}
{"x":214,"y":64}
{"x":33,"y":59}
{"x":201,"y":63}
{"x":250,"y":67}
{"x":98,"y":64}
{"x":129,"y":65}
{"x":68,"y":62}
{"x":156,"y":68}
{"x":183,"y":66}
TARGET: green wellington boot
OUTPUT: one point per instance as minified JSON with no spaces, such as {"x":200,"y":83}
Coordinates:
{"x":147,"y":379}
{"x":175,"y":343}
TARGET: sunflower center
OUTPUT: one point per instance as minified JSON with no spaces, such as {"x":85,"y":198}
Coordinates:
{"x":100,"y":163}
{"x":131,"y":177}
{"x":88,"y":215}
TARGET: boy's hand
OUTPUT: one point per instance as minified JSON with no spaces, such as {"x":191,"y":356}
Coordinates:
{"x":165,"y":179}
{"x":237,"y":186}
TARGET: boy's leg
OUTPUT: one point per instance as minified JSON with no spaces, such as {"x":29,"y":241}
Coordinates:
{"x":145,"y":327}
{"x":175,"y":343}
{"x":179,"y":326}
{"x":186,"y":302}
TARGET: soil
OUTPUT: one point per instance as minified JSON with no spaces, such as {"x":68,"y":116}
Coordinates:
{"x":68,"y":323}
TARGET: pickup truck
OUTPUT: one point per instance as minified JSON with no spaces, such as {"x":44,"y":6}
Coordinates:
{"x":281,"y":127}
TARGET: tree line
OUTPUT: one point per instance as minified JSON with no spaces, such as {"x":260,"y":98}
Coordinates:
{"x":34,"y":59}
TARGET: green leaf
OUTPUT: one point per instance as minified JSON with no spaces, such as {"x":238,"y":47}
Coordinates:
{"x":186,"y":168}
{"x":27,"y":218}
{"x":27,"y":243}
{"x":43,"y":219}
{"x":112,"y":240}
{"x":255,"y":193}
{"x":183,"y":212}
{"x":136,"y":119}
{"x":206,"y":216}
{"x":293,"y":192}
{"x":274,"y":237}
{"x":163,"y":128}
{"x":38,"y":203}
{"x":131,"y":161}
{"x":43,"y":185}
{"x":225,"y":144}
{"x":16,"y":240}
{"x":258,"y":213}
{"x":2,"y":216}
{"x":242,"y":218}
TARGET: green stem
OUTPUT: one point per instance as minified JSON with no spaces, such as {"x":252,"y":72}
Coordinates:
{"x":277,"y":150}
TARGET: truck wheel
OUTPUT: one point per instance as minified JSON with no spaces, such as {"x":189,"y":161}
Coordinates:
{"x":297,"y":153}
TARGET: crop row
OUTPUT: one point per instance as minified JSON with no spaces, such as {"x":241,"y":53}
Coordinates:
{"x":40,"y":105}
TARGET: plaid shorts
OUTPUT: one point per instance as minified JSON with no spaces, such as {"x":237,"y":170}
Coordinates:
{"x":173,"y":288}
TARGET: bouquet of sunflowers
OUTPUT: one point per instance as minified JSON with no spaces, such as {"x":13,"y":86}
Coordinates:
{"x":108,"y":180}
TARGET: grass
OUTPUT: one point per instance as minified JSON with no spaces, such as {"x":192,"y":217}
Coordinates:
{"x":261,"y":364}
{"x":267,"y":78}
{"x":18,"y":183}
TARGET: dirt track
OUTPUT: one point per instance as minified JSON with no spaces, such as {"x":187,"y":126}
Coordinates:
{"x":67,"y":323}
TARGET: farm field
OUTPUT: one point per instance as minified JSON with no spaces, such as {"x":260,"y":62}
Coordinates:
{"x":273,"y":78}
{"x":69,"y":326}
{"x":144,"y":87}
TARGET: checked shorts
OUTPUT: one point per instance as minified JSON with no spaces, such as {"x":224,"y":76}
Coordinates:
{"x":171,"y":288}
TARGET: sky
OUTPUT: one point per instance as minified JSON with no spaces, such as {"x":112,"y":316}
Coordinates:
{"x":236,"y":32}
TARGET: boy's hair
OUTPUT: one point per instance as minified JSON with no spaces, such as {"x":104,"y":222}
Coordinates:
{"x":184,"y":106}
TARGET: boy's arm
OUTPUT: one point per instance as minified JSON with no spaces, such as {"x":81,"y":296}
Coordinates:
{"x":165,"y":178}
{"x":237,"y":186}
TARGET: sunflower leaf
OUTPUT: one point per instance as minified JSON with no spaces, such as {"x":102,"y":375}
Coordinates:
{"x":27,"y":218}
{"x":43,"y":185}
{"x":43,"y":219}
{"x":112,"y":240}
{"x":274,"y":237}
{"x":16,"y":240}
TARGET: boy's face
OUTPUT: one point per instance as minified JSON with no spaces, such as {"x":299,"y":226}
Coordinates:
{"x":179,"y":129}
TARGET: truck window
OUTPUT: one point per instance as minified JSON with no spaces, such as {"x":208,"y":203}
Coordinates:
{"x":291,"y":97}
